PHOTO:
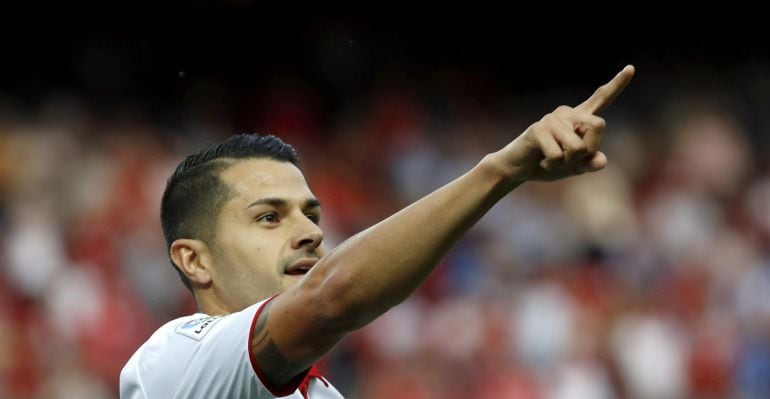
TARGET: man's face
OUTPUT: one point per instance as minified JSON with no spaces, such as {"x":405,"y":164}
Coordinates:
{"x":267,"y":234}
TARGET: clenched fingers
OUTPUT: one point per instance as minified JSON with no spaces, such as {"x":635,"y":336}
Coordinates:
{"x":571,"y":144}
{"x":591,"y":128}
{"x":553,"y":156}
{"x":587,"y":126}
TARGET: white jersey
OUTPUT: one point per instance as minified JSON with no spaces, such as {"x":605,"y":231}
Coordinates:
{"x":202,"y":356}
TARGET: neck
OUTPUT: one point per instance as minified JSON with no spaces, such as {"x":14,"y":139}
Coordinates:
{"x":209,"y":305}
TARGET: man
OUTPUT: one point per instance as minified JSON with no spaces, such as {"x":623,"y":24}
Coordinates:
{"x":242,"y":229}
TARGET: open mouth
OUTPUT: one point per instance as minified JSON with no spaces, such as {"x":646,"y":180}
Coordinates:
{"x":300,"y":267}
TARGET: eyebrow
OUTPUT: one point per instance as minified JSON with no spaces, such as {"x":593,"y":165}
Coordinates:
{"x":280,"y":202}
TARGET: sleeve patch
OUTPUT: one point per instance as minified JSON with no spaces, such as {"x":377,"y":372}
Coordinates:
{"x":198,"y":328}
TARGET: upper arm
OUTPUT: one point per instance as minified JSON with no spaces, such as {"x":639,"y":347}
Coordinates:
{"x":291,"y":332}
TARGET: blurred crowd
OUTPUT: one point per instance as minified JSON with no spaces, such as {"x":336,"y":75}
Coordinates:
{"x":650,"y":279}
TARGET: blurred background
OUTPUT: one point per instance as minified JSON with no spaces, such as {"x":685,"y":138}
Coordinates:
{"x":650,"y":279}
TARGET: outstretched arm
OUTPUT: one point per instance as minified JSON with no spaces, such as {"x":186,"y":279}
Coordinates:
{"x":379,"y":267}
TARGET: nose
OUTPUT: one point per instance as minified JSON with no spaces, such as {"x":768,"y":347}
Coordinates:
{"x":309,"y":236}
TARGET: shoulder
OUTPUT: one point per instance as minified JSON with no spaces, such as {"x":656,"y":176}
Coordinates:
{"x":184,"y":348}
{"x":155,"y":354}
{"x":147,"y":360}
{"x":197,"y":329}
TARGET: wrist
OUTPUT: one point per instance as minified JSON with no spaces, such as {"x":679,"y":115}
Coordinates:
{"x":504,"y":176}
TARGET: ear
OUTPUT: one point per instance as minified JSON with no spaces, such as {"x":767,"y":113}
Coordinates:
{"x":193,"y":258}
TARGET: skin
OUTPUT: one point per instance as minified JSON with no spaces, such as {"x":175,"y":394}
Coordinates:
{"x":377,"y":268}
{"x":270,"y":223}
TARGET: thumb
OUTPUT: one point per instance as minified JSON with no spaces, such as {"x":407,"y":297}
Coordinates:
{"x":592,"y":163}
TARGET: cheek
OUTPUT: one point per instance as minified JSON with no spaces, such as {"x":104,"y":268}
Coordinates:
{"x":259,"y":253}
{"x":252,"y":250}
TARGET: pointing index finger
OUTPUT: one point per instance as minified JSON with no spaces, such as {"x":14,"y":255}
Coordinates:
{"x":606,"y":94}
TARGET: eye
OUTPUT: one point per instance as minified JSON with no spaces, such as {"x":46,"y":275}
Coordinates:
{"x":270,"y":217}
{"x":313,"y":217}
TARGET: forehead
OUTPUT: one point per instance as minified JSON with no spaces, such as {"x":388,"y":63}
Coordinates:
{"x":251,"y":179}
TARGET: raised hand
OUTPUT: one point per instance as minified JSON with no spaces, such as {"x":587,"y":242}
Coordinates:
{"x":566,"y":141}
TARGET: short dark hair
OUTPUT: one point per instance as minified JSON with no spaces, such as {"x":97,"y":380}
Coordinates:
{"x":194,"y":194}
